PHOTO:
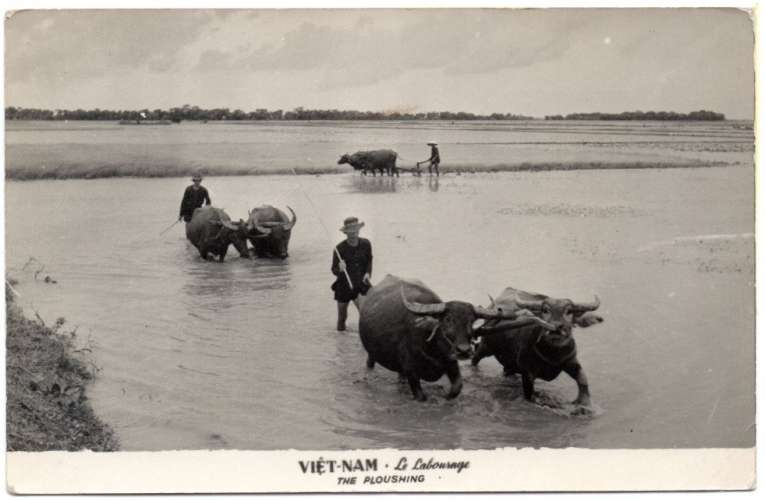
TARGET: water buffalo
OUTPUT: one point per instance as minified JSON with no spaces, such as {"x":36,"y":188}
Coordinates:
{"x":211,"y":231}
{"x":269,"y":230}
{"x":408,"y":329}
{"x":383,"y":160}
{"x":538,"y":351}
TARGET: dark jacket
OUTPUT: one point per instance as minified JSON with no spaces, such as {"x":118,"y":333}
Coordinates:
{"x":358,"y":261}
{"x":435,"y":157}
{"x":193,"y":199}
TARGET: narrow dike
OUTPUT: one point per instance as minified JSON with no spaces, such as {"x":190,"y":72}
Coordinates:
{"x":46,"y":380}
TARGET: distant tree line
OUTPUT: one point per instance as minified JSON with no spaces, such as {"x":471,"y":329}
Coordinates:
{"x":702,"y":115}
{"x":196,"y":113}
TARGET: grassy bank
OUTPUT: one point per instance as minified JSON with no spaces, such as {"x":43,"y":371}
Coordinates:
{"x":46,"y":407}
{"x":79,"y":171}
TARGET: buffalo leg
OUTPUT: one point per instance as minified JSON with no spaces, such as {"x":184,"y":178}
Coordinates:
{"x":480,"y":353}
{"x":414,"y":384}
{"x":453,"y":372}
{"x":575,"y":371}
{"x":528,"y":386}
{"x":370,"y":362}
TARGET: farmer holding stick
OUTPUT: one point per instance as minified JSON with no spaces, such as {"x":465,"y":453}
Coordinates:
{"x":352,"y":266}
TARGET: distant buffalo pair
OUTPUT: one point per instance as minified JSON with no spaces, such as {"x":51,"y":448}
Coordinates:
{"x":269,"y":229}
{"x":380,"y":160}
{"x":407,"y":328}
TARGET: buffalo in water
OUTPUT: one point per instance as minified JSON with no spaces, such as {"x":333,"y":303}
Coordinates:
{"x":407,"y":328}
{"x":382,"y":160}
{"x":269,"y":230}
{"x":538,"y":350}
{"x":211,"y":231}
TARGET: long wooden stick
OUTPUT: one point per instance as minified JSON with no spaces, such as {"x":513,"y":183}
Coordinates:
{"x":170,"y":226}
{"x":345,"y":271}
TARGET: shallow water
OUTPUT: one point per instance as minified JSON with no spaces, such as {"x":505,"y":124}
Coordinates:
{"x":244,"y":355}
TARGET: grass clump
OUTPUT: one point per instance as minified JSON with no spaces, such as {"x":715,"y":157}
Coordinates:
{"x":46,"y":407}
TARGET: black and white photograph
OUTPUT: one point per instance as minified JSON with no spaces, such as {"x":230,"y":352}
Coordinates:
{"x":379,"y":250}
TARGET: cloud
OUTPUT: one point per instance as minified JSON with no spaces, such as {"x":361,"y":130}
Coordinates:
{"x":54,"y":45}
{"x":375,"y":48}
{"x":214,"y":60}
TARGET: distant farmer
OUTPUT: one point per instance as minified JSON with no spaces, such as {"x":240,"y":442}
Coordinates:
{"x":433,"y":161}
{"x":194,"y":197}
{"x":352,"y":267}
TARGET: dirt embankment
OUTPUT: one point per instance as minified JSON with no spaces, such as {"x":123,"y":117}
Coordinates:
{"x":47,"y":408}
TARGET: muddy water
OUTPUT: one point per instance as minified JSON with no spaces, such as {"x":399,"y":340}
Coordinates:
{"x":244,"y":355}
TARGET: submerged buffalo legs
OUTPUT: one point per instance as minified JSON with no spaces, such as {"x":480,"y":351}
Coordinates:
{"x":453,"y":372}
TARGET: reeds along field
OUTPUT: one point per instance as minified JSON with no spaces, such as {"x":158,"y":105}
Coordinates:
{"x":47,"y":407}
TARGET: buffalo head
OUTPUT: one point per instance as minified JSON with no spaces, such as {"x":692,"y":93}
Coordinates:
{"x":234,"y":233}
{"x":344,"y":159}
{"x":275,"y":234}
{"x":563,"y":314}
{"x":456,"y":320}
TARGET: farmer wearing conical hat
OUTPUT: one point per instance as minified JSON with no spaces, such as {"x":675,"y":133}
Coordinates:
{"x":433,"y":161}
{"x":194,"y":197}
{"x":352,"y":267}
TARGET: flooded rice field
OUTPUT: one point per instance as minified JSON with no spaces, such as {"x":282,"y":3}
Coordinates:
{"x":106,"y":149}
{"x":244,"y":354}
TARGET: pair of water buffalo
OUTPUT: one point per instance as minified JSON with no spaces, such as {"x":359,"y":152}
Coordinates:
{"x":381,"y":160}
{"x":407,"y":328}
{"x":269,"y":229}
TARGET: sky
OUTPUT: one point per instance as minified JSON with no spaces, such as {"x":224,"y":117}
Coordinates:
{"x":534,"y":62}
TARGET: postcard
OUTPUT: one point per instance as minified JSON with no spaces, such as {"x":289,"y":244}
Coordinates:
{"x":379,"y":250}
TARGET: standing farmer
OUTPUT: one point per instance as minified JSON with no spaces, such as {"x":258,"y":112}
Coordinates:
{"x":352,"y":267}
{"x":194,"y":197}
{"x":433,"y":161}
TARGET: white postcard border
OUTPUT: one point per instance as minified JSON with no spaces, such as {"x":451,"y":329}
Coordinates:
{"x":501,"y":470}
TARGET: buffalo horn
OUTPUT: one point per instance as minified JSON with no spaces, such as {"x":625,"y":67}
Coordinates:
{"x":291,"y":223}
{"x":229,"y":225}
{"x":512,"y":325}
{"x":262,"y":229}
{"x":482,"y":312}
{"x":493,"y":303}
{"x":582,"y":307}
{"x":418,"y":308}
{"x":531,"y":305}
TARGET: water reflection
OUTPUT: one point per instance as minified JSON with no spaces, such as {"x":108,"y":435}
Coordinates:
{"x":373,"y":185}
{"x":367,"y":184}
{"x":433,"y":183}
{"x":217,"y":286}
